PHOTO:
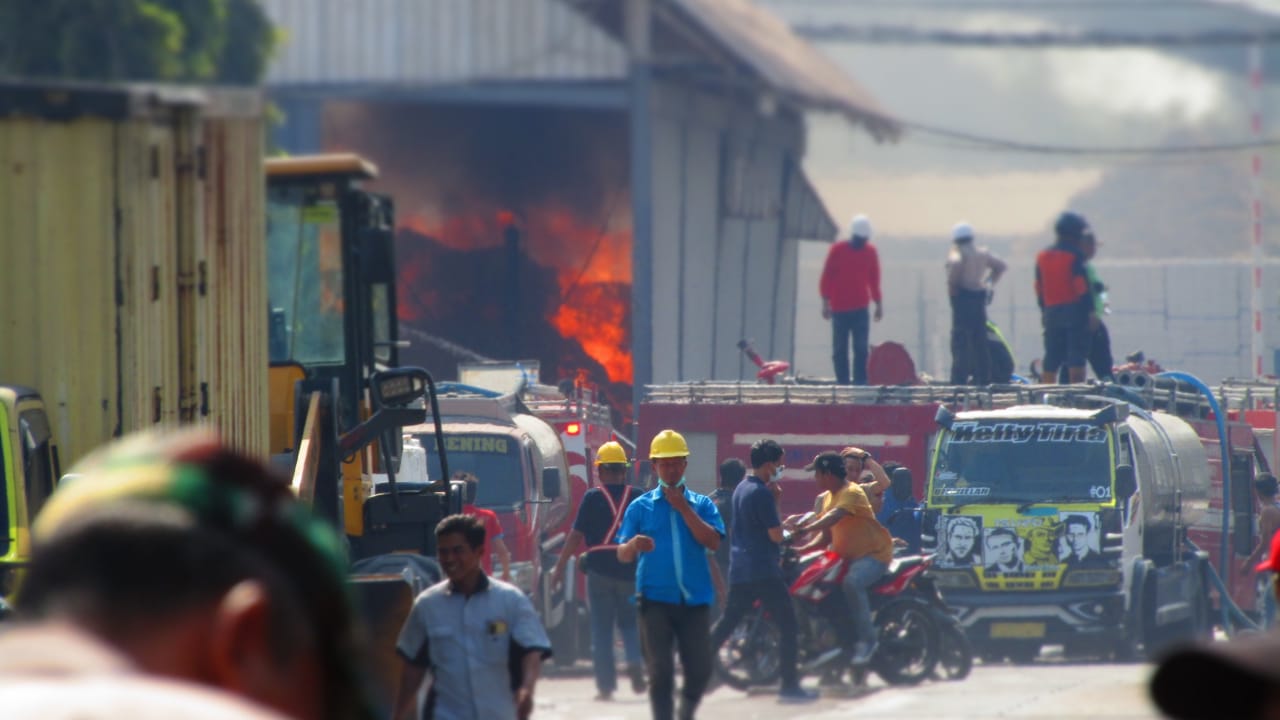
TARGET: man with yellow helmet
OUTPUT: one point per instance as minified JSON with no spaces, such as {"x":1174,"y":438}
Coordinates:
{"x":671,"y":529}
{"x":611,"y":585}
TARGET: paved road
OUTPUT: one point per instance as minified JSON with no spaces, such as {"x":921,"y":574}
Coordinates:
{"x":1046,"y":689}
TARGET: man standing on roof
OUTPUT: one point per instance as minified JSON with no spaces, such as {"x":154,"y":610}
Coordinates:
{"x":850,"y":283}
{"x":611,"y":585}
{"x":1062,"y":291}
{"x":671,"y":529}
{"x":972,"y":272}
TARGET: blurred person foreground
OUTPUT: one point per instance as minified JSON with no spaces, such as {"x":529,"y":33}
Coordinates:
{"x":172,"y":576}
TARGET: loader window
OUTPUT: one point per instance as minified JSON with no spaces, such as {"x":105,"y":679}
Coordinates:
{"x":304,"y":281}
{"x":1024,"y":461}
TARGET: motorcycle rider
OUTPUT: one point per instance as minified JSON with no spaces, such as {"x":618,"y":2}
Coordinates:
{"x":848,"y":523}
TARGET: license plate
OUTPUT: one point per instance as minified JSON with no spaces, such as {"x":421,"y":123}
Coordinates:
{"x":1017,"y":630}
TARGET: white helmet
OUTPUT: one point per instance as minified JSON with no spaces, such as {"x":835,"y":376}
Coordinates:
{"x":962,"y":230}
{"x":860,"y":226}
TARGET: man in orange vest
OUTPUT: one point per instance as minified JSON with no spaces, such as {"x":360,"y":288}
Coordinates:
{"x":1066,"y":305}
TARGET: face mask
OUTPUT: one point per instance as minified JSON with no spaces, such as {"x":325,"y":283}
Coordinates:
{"x":664,"y":483}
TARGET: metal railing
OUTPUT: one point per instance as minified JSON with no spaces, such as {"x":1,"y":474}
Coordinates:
{"x":1152,"y":392}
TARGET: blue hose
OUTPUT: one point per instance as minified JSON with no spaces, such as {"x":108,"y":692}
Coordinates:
{"x":1223,"y":553}
{"x":1232,"y":615}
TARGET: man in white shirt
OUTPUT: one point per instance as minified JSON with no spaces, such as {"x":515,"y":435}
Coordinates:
{"x":972,"y":272}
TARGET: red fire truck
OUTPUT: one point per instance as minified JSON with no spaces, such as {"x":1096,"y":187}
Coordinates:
{"x":722,"y":420}
{"x":583,"y":423}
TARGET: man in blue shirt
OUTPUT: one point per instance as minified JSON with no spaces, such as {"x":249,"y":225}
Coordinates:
{"x":671,"y":529}
{"x":754,"y":570}
{"x":480,"y":638}
{"x":900,"y":513}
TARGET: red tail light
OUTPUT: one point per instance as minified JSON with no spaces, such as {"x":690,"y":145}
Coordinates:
{"x":573,"y":428}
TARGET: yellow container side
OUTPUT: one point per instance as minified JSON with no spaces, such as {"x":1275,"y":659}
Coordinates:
{"x":132,"y":287}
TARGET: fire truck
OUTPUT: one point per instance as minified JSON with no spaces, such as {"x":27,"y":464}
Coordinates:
{"x":1232,"y":426}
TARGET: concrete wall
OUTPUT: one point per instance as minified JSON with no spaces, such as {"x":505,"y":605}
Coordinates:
{"x":1190,"y":315}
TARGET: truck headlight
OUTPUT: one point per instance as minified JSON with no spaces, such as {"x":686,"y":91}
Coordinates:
{"x":954,"y":579}
{"x":1091,"y":578}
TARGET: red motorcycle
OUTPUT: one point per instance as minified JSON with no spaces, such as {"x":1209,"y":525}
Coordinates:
{"x":917,"y":632}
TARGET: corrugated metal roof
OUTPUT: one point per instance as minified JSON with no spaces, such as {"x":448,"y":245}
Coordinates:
{"x":807,"y":218}
{"x":421,"y":43}
{"x":782,"y":60}
{"x":437,"y":42}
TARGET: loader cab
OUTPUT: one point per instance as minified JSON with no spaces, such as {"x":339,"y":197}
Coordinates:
{"x":330,"y":280}
{"x":28,"y":466}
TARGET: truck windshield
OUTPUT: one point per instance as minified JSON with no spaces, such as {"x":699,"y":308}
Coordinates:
{"x":304,"y":277}
{"x":493,"y":459}
{"x":1022,"y":461}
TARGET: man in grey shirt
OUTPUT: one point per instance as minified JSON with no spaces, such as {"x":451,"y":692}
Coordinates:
{"x":972,"y":271}
{"x":473,"y":633}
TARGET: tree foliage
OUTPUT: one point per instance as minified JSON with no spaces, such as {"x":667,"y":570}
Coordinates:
{"x":224,"y":41}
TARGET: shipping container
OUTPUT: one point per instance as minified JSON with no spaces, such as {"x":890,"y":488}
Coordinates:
{"x":132,"y":286}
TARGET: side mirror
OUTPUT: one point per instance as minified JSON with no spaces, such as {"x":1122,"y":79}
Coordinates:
{"x":399,"y":387}
{"x":1126,"y":482}
{"x":944,"y":417}
{"x":551,"y":483}
{"x":457,"y":492}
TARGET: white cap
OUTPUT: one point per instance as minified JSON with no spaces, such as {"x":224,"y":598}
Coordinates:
{"x":860,"y":226}
{"x":961,"y":230}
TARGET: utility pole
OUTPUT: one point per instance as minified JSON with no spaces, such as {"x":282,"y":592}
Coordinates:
{"x":639,"y":33}
{"x":1258,"y":342}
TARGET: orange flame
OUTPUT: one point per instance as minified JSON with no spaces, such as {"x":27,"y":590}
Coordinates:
{"x":592,"y":263}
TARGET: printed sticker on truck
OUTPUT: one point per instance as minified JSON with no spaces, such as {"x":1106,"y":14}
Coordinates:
{"x":1011,"y":432}
{"x":1021,"y":552}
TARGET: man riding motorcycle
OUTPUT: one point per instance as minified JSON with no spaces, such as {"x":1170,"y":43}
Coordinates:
{"x":848,"y":524}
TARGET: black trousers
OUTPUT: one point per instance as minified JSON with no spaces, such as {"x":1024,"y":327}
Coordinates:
{"x":665,"y":627}
{"x":970,"y":353}
{"x":1100,"y":357}
{"x":773,"y":594}
{"x":855,"y":323}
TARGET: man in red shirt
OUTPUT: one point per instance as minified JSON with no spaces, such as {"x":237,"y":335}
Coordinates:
{"x":850,"y":283}
{"x":493,"y":541}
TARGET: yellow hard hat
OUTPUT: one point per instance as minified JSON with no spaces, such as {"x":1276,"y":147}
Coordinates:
{"x":668,"y":444}
{"x":611,"y":453}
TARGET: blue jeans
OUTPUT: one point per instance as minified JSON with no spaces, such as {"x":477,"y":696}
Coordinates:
{"x":855,"y":323}
{"x":612,"y":602}
{"x":862,"y":574}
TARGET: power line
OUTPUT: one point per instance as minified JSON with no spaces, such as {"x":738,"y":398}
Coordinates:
{"x":1014,"y":5}
{"x":987,"y":141}
{"x":904,"y":35}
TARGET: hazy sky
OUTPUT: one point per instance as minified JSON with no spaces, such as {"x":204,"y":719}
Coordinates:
{"x":1068,"y":97}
